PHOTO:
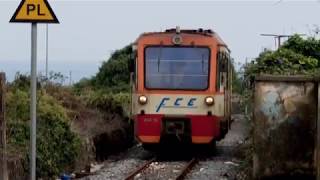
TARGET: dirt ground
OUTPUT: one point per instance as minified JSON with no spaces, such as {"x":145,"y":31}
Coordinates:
{"x":226,"y":162}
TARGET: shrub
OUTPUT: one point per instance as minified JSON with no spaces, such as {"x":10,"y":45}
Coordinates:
{"x":296,"y":57}
{"x":57,"y":145}
{"x":107,"y":101}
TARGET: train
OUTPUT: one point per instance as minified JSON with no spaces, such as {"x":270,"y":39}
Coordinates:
{"x":181,"y":87}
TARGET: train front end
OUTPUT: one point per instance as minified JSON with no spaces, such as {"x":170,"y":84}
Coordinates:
{"x":180,"y":87}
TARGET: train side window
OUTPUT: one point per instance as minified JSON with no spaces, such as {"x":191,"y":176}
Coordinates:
{"x":222,"y":70}
{"x":131,"y":63}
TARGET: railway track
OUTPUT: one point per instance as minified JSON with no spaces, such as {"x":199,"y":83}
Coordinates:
{"x":182,"y":174}
{"x":142,"y":165}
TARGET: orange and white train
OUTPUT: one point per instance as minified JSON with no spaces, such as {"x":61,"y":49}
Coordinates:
{"x":181,"y":87}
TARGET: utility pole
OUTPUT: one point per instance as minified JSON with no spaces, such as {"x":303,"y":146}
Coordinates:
{"x":278,"y":37}
{"x":70,"y":78}
{"x":47,"y":48}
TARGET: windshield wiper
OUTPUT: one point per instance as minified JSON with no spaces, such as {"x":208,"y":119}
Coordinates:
{"x":159,"y":58}
{"x":202,"y":61}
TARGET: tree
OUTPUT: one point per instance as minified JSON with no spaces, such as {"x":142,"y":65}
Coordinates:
{"x":114,"y":73}
{"x":309,"y":47}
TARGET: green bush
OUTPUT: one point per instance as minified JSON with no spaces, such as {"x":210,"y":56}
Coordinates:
{"x":309,"y":47}
{"x":17,"y":105}
{"x":57,"y":145}
{"x":107,"y":101}
{"x":297,"y":56}
{"x":284,"y":61}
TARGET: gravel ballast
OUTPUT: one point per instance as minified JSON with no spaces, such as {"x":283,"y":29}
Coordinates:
{"x":222,"y":165}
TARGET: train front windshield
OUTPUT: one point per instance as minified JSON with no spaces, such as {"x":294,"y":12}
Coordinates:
{"x":171,"y":68}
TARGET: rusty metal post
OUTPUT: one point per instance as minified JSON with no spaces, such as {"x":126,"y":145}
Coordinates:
{"x":255,"y":157}
{"x":317,"y":163}
{"x":3,"y":158}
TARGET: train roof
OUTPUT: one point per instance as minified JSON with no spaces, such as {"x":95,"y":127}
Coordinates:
{"x":200,"y":31}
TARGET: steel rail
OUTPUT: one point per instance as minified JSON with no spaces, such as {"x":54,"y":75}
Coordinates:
{"x":140,"y":169}
{"x":187,"y":169}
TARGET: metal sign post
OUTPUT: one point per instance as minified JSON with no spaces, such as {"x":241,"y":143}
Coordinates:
{"x":31,"y":11}
{"x":33,"y":103}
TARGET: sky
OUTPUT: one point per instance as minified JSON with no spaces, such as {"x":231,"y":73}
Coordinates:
{"x":89,"y":31}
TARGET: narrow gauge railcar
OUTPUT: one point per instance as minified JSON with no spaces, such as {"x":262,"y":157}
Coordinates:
{"x":181,"y":87}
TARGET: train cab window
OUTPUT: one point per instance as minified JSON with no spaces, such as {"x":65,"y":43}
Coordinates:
{"x":173,"y":68}
{"x":222,"y":70}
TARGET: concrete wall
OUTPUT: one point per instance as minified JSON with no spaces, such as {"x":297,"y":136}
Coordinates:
{"x":285,"y":116}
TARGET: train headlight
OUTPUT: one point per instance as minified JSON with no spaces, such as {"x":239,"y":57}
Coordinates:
{"x":142,"y":99}
{"x":209,"y":101}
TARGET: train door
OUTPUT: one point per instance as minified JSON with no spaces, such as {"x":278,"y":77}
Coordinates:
{"x":224,"y":85}
{"x":132,"y":66}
